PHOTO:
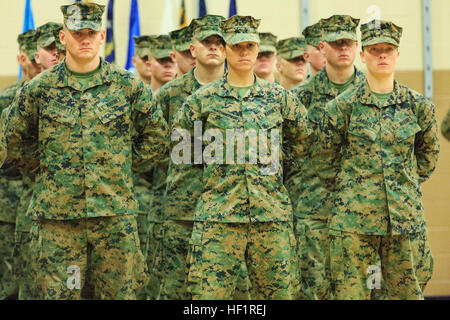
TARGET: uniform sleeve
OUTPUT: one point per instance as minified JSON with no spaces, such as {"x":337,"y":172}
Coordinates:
{"x":150,"y":141}
{"x":445,"y":127}
{"x":332,"y":133}
{"x":184,"y":181}
{"x":427,"y":143}
{"x":295,"y":128}
{"x":21,"y":132}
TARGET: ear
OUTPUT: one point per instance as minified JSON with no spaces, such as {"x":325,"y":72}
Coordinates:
{"x":321,"y":46}
{"x":306,"y":56}
{"x":172,"y":56}
{"x":102,"y":36}
{"x":278,"y":65}
{"x":36,"y":58}
{"x":192,"y":49}
{"x":62,"y":37}
{"x":134,"y":61}
{"x":363,"y":59}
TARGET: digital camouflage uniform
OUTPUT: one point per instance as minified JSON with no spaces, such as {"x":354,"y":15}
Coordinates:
{"x":10,"y":190}
{"x":386,"y":151}
{"x":183,"y":190}
{"x":10,"y":183}
{"x":244,"y":212}
{"x":81,"y":143}
{"x":45,"y":36}
{"x":143,"y":181}
{"x":445,"y":127}
{"x":310,"y":180}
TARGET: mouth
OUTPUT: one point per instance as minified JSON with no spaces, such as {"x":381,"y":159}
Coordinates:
{"x":382,"y":64}
{"x":343,"y":56}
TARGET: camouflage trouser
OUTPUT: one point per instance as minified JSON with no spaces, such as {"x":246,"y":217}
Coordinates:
{"x":423,"y":264}
{"x":313,"y":258}
{"x":142,"y":226}
{"x":61,"y":252}
{"x":154,"y":262}
{"x":22,"y":271}
{"x":8,"y":286}
{"x":359,"y":263}
{"x":218,"y":250}
{"x":174,"y":263}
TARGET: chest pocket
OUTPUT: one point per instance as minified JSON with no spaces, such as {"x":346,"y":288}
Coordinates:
{"x":363,"y":131}
{"x":61,"y":114}
{"x":407,"y":130}
{"x":270,"y":119}
{"x":114,"y":117}
{"x":221,"y":120}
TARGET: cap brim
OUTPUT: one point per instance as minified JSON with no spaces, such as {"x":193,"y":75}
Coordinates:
{"x":80,"y":25}
{"x":335,"y":36}
{"x":202,"y":35}
{"x":160,"y":53}
{"x":30,"y":54}
{"x":233,"y":38}
{"x":46,"y":42}
{"x":313,"y":42}
{"x":267,"y":48}
{"x":292,"y":54}
{"x":182,"y":47}
{"x":377,"y":40}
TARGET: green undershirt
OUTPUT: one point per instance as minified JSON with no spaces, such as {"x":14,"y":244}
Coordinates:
{"x":84,"y":78}
{"x":382,"y":97}
{"x":242,"y":91}
{"x":341,"y":87}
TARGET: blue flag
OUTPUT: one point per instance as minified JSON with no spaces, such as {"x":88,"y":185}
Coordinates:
{"x":135,"y":30}
{"x":110,"y":52}
{"x":28,"y":24}
{"x":202,"y":11}
{"x":233,"y":8}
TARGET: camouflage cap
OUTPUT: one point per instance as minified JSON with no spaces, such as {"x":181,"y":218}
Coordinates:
{"x":83,"y":15}
{"x":339,"y":27}
{"x":206,"y":26}
{"x":291,"y":48}
{"x":59,"y":45}
{"x":160,"y":46}
{"x":378,"y":31}
{"x":45,"y":34}
{"x":313,"y":34}
{"x":28,"y":43}
{"x":240,"y":29}
{"x":268,"y":42}
{"x":142,"y":46}
{"x":181,"y":38}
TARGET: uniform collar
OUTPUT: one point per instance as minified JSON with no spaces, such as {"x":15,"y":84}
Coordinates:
{"x":325,"y":87}
{"x":365,"y":95}
{"x":190,"y":83}
{"x":66,"y":79}
{"x":225,"y":90}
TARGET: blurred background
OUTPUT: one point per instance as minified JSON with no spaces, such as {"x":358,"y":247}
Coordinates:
{"x":424,"y":63}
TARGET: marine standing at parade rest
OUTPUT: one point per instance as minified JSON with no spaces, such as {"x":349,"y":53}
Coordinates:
{"x":310,"y":179}
{"x":80,"y":127}
{"x":385,"y":137}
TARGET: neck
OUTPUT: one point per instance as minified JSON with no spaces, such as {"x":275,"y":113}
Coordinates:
{"x":313,"y":71}
{"x":146,"y":80}
{"x":156,"y":84}
{"x":82,"y":66}
{"x":206,"y":74}
{"x":268,"y":77}
{"x":240,"y":79}
{"x":339,"y":75}
{"x":288,"y":84}
{"x":381,"y":84}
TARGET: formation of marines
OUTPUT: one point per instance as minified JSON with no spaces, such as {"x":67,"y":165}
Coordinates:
{"x":198,"y":180}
